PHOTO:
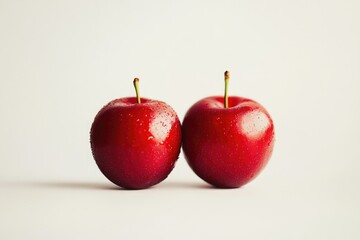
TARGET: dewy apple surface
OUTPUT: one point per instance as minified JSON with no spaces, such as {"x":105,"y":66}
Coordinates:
{"x":136,"y":142}
{"x":227,"y":141}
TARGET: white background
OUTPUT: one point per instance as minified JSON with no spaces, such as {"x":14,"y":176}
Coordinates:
{"x":61,"y":61}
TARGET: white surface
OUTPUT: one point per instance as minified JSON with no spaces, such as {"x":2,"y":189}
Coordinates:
{"x":60,"y":61}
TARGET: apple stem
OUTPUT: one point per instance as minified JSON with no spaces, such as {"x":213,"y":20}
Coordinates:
{"x":136,"y":85}
{"x":227,"y":77}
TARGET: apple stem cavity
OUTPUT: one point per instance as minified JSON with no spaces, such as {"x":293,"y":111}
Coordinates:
{"x":227,"y":77}
{"x":136,"y":86}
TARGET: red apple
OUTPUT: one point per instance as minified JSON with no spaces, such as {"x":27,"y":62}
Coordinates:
{"x":136,"y":142}
{"x":227,"y":141}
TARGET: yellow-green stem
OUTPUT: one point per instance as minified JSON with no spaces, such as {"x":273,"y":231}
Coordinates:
{"x":227,"y":77}
{"x":136,"y":85}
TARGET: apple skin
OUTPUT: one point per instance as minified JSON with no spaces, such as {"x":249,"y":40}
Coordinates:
{"x":227,"y":147}
{"x":136,"y":145}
